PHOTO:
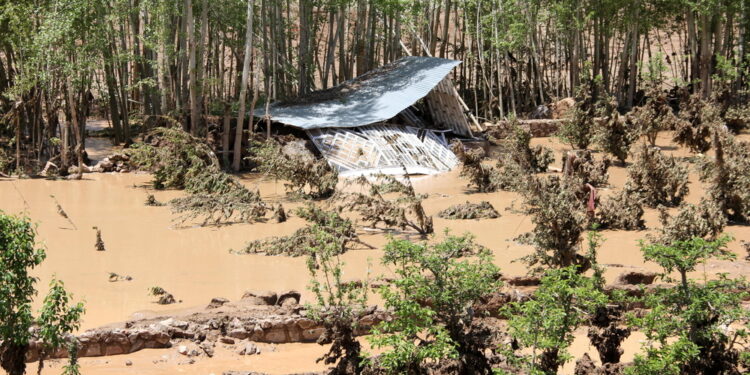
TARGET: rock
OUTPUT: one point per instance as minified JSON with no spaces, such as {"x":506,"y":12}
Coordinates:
{"x":128,"y":363}
{"x":260,"y":298}
{"x":208,"y":348}
{"x":289,"y":298}
{"x":166,"y":299}
{"x":636,"y":278}
{"x":227,"y":340}
{"x":248,"y":348}
{"x":217,"y":302}
{"x":182,"y":349}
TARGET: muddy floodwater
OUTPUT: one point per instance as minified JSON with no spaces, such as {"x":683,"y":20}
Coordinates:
{"x":194,"y":263}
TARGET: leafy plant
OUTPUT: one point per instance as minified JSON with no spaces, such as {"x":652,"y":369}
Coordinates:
{"x":696,"y":119}
{"x":728,"y":175}
{"x":623,"y":210}
{"x":545,"y":323}
{"x":303,"y":239}
{"x":559,"y":216}
{"x":613,"y":134}
{"x":686,"y":326}
{"x":18,"y":257}
{"x":585,"y":167}
{"x":431,"y":301}
{"x":704,"y":220}
{"x":338,"y":304}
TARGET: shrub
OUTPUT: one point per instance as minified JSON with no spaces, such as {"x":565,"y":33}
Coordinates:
{"x":696,"y":119}
{"x":305,"y":176}
{"x":657,"y":178}
{"x":545,"y":324}
{"x":654,"y":116}
{"x":338,"y":304}
{"x":686,"y":326}
{"x":623,"y":210}
{"x":728,"y":176}
{"x":465,"y":211}
{"x":614,"y":135}
{"x":582,"y":165}
{"x":558,"y":213}
{"x":431,"y":300}
{"x":19,"y":256}
{"x":703,"y":221}
{"x":172,"y":156}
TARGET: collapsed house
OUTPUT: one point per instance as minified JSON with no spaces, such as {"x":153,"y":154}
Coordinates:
{"x":376,"y":123}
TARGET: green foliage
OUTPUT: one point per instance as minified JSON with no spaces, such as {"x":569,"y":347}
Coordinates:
{"x":339,"y":304}
{"x":302,"y":240}
{"x":305,"y":176}
{"x":660,"y":180}
{"x":430,"y":300}
{"x":688,"y":327}
{"x":18,"y":257}
{"x":545,"y":324}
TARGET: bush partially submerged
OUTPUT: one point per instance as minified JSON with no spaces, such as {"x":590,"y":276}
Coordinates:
{"x":701,"y":221}
{"x":623,"y":210}
{"x":584,"y":166}
{"x":660,"y":180}
{"x":728,"y":176}
{"x":614,"y":136}
{"x":403,"y":210}
{"x":557,"y":209}
{"x":654,"y":116}
{"x":306,"y":175}
{"x":696,"y":119}
{"x":464,"y":211}
{"x":516,"y":148}
{"x":302,"y":240}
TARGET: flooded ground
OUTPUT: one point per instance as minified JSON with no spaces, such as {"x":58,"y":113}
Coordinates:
{"x":195,"y":265}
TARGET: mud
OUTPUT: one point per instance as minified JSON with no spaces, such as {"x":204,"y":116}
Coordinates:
{"x":194,"y":263}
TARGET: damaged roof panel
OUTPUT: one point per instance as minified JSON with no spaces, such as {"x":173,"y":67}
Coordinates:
{"x":373,"y":97}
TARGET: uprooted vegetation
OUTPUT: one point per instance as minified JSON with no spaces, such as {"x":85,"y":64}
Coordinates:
{"x":302,"y":240}
{"x":305,"y":175}
{"x":659,"y":179}
{"x":467,"y":211}
{"x":389,"y":201}
{"x":180,"y":161}
{"x":517,"y":159}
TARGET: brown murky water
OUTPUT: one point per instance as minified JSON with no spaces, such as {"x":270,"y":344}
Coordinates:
{"x":194,"y":263}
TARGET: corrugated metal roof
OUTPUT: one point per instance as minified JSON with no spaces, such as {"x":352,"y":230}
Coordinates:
{"x":373,"y":97}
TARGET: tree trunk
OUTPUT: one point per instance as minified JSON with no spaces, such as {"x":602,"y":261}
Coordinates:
{"x":243,"y":87}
